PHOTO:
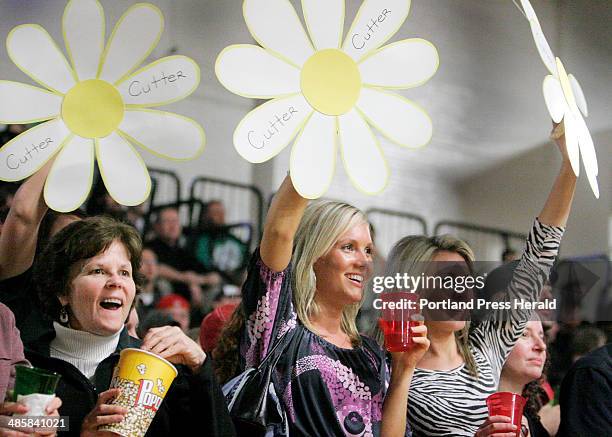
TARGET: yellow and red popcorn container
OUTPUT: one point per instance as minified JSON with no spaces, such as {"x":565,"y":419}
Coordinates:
{"x":144,"y":379}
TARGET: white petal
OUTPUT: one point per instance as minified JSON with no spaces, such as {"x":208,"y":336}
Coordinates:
{"x":84,"y":29}
{"x":571,"y":141}
{"x":313,"y":157}
{"x":267,"y":129}
{"x":164,"y":81}
{"x":397,"y":118}
{"x":23,"y":104}
{"x":363,"y":157}
{"x":70,"y":178}
{"x":276,"y":26}
{"x":375,"y":23}
{"x":325,"y":22}
{"x":579,"y":95}
{"x":252,"y":72}
{"x":403,"y":64}
{"x":589,"y":157}
{"x":124,"y":173}
{"x":538,"y":36}
{"x":528,"y":9}
{"x":33,"y":50}
{"x":543,"y":48}
{"x":25,"y":154}
{"x":554,"y":98}
{"x":168,"y":135}
{"x":134,"y":37}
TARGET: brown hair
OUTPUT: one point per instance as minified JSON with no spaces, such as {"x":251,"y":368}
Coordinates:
{"x":226,"y":355}
{"x":73,"y":245}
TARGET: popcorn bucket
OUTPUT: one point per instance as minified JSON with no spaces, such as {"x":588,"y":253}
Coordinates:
{"x":144,"y":379}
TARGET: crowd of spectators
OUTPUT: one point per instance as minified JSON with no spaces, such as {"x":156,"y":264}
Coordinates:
{"x":187,"y":291}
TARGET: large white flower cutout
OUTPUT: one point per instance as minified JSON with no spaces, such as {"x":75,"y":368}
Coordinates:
{"x":327,"y":92}
{"x":96,"y":107}
{"x":565,"y":101}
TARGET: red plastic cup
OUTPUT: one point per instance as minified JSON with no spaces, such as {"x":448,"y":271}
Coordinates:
{"x":507,"y":404}
{"x":400,"y":312}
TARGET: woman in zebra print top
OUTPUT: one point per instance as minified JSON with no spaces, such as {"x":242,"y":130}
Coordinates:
{"x":462,"y":367}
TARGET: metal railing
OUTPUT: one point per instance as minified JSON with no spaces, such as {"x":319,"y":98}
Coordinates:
{"x":487,"y":243}
{"x":243,"y":203}
{"x":389,"y":226}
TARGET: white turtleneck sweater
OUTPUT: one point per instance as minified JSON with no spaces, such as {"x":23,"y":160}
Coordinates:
{"x":82,"y":349}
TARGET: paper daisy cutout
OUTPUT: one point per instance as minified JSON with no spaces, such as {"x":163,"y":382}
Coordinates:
{"x":565,"y":101}
{"x":328,"y":92}
{"x":96,"y":106}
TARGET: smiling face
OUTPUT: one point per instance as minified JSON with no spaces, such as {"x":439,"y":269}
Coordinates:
{"x":526,"y":361}
{"x":102,"y":292}
{"x":342,"y":272}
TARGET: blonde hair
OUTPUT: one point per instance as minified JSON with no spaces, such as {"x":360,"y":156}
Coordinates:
{"x":322,"y":225}
{"x":410,"y":255}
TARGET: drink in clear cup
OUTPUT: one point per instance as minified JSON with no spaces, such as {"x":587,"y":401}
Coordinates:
{"x":507,"y":404}
{"x":399,"y":313}
{"x":144,"y":379}
{"x":34,"y":388}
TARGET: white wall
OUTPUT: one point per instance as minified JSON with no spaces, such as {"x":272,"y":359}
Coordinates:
{"x":511,"y":195}
{"x":485,"y":100}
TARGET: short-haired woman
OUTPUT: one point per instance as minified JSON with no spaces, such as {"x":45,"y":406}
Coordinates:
{"x":87,"y":280}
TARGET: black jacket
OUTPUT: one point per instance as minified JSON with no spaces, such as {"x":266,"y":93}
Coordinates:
{"x":194,"y":404}
{"x":586,"y":396}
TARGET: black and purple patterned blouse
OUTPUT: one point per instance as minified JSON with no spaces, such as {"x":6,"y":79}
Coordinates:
{"x":325,"y":390}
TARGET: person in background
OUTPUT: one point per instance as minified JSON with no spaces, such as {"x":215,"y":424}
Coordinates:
{"x":177,"y":307}
{"x":153,"y":287}
{"x":213,"y":214}
{"x":213,"y":325}
{"x":155,"y":319}
{"x":521,"y":374}
{"x":11,"y":353}
{"x":586,"y":396}
{"x":586,"y":339}
{"x":176,"y":264}
{"x":216,"y":247}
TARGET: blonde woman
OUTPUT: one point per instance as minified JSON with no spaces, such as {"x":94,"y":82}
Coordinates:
{"x":307,"y":280}
{"x":462,"y":368}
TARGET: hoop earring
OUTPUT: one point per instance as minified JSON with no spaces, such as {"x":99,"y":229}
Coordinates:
{"x":63,"y":315}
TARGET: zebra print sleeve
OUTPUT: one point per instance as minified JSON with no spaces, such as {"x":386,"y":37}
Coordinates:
{"x":496,"y":336}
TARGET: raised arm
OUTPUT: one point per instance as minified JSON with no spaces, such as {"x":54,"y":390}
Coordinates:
{"x":557,"y":207}
{"x":281,"y":224}
{"x":502,"y":329}
{"x":20,"y":229}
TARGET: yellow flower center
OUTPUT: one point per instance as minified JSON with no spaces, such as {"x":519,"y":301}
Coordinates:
{"x":93,"y":109}
{"x":566,"y":86}
{"x":331,"y":82}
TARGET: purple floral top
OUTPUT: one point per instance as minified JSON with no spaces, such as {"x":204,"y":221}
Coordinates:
{"x":325,"y":390}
